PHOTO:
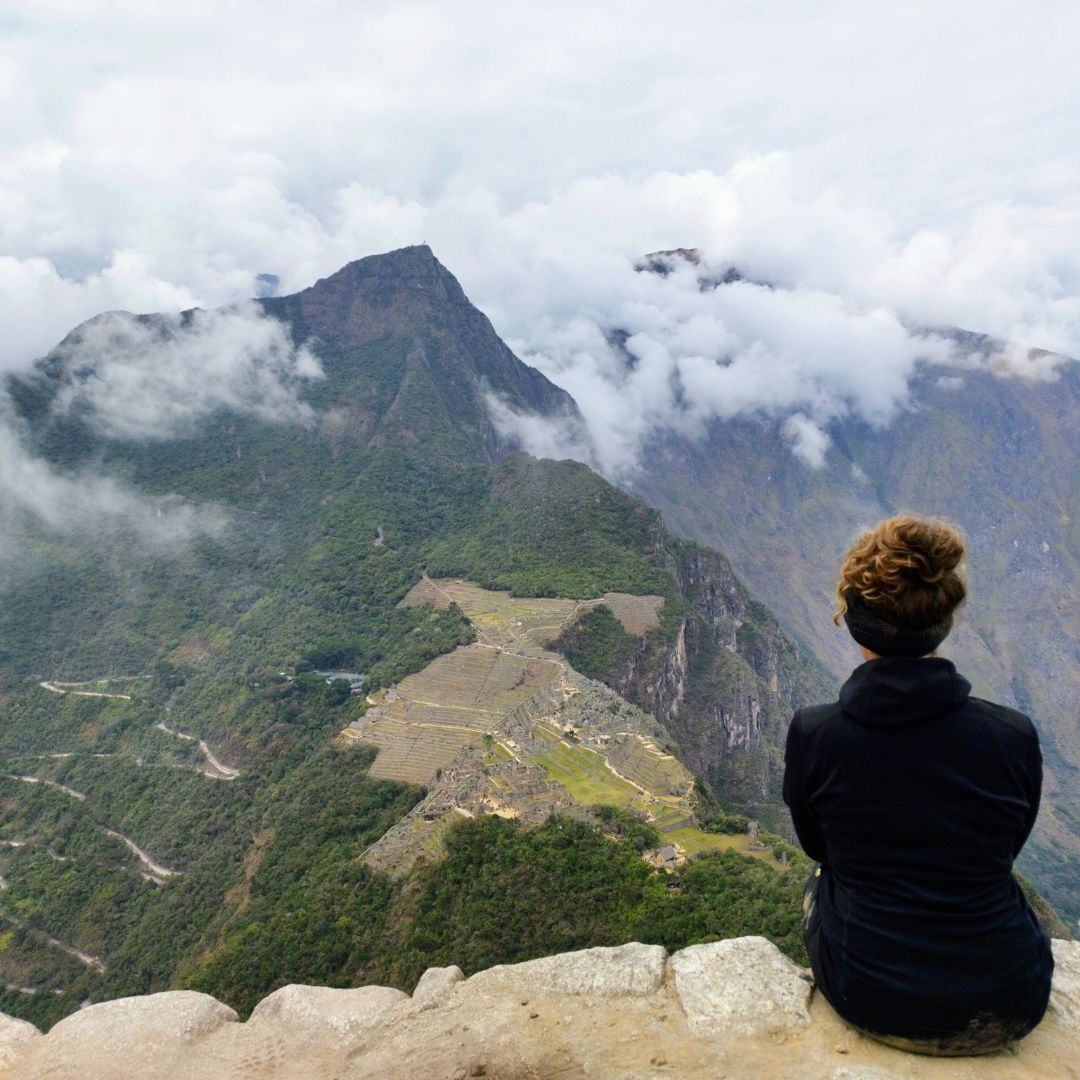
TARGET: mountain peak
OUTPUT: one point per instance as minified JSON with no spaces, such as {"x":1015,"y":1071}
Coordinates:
{"x":398,"y":329}
{"x":375,"y":296}
{"x":412,"y":267}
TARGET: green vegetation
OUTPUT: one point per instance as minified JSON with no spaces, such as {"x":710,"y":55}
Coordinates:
{"x":556,"y":529}
{"x":585,"y":775}
{"x":596,"y":644}
{"x":573,"y":888}
{"x":729,"y":895}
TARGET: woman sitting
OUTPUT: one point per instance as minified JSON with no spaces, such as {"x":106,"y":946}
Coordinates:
{"x":915,"y":798}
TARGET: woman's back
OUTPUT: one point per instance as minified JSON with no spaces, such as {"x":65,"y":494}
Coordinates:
{"x":916,"y":798}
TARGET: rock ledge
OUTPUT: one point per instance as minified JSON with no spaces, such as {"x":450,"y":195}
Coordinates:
{"x":729,"y":1009}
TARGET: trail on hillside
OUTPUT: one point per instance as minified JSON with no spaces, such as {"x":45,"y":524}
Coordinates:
{"x":93,"y":962}
{"x":216,"y":769}
{"x":70,"y":688}
{"x":85,"y":958}
{"x":36,"y":843}
{"x":49,"y":783}
{"x":153,"y":870}
{"x":58,"y":755}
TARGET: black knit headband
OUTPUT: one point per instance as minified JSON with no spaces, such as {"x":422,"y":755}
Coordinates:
{"x":885,"y":638}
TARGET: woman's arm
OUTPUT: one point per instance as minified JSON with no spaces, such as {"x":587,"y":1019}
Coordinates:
{"x":1034,"y":790}
{"x":806,"y":828}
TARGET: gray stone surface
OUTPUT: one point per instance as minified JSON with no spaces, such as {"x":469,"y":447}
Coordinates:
{"x":129,"y":1024}
{"x":127,"y":1039}
{"x":335,"y":1018}
{"x":864,"y":1072}
{"x":736,"y":1009}
{"x":623,"y":971}
{"x":14,"y":1034}
{"x":744,"y":986}
{"x":1065,"y":996}
{"x":435,"y":987}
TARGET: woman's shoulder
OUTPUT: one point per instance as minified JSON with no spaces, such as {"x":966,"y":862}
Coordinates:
{"x":993,"y":713}
{"x":811,"y":718}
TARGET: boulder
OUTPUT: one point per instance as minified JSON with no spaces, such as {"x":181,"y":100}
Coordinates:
{"x":435,"y":987}
{"x":134,"y":1037}
{"x":336,"y":1019}
{"x":14,"y":1034}
{"x":1065,"y":995}
{"x":744,"y":986}
{"x":632,"y":970}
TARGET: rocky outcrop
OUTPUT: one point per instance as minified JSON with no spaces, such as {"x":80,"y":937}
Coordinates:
{"x":736,"y":1009}
{"x":723,"y":681}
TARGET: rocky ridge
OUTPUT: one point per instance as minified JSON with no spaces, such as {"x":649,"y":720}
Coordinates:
{"x":733,"y":1009}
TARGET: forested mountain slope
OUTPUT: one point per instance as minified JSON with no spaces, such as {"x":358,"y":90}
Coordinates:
{"x":179,"y":807}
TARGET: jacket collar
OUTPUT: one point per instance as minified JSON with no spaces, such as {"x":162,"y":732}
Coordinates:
{"x":903,"y":690}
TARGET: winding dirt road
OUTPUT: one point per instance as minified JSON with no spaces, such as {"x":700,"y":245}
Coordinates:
{"x":217,"y":770}
{"x":154,"y":871}
{"x":69,"y":688}
{"x":49,"y":783}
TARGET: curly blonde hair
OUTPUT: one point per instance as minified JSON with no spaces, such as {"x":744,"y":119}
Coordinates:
{"x":907,"y":568}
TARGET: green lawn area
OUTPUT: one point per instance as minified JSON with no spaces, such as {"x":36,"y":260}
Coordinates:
{"x":496,"y":753}
{"x":584,"y":774}
{"x":693,"y":841}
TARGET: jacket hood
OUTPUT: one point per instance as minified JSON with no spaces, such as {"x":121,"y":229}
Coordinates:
{"x":902,"y":690}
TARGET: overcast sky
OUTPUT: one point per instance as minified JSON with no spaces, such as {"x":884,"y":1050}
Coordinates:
{"x":889,"y":165}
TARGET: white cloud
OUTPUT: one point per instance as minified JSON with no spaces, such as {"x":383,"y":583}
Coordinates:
{"x":36,"y":497}
{"x":158,"y":157}
{"x":155,"y":379}
{"x":38,"y":305}
{"x":539,"y":436}
{"x":145,"y":379}
{"x":808,"y":441}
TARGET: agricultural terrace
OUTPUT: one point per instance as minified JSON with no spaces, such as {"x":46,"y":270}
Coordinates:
{"x":502,"y":619}
{"x":422,"y":724}
{"x":468,"y":697}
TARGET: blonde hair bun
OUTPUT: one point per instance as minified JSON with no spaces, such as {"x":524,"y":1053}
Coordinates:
{"x":908,"y":568}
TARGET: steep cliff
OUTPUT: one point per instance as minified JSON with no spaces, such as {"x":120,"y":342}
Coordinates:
{"x":723,"y":678}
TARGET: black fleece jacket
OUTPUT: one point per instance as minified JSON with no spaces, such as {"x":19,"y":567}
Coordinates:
{"x":916,"y":798}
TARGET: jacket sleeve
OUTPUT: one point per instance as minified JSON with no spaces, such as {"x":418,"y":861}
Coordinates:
{"x":1034,"y":791}
{"x":806,"y":828}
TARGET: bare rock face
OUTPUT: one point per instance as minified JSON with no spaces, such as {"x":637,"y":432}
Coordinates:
{"x":132,"y":1037}
{"x":745,"y":986}
{"x":319,"y":1014}
{"x":736,"y":1009}
{"x":624,"y":971}
{"x":14,"y":1035}
{"x":435,"y":987}
{"x":1065,"y":996}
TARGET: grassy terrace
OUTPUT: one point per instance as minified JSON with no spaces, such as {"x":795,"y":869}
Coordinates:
{"x":694,"y":841}
{"x":585,"y":775}
{"x":422,"y":724}
{"x":652,"y":769}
